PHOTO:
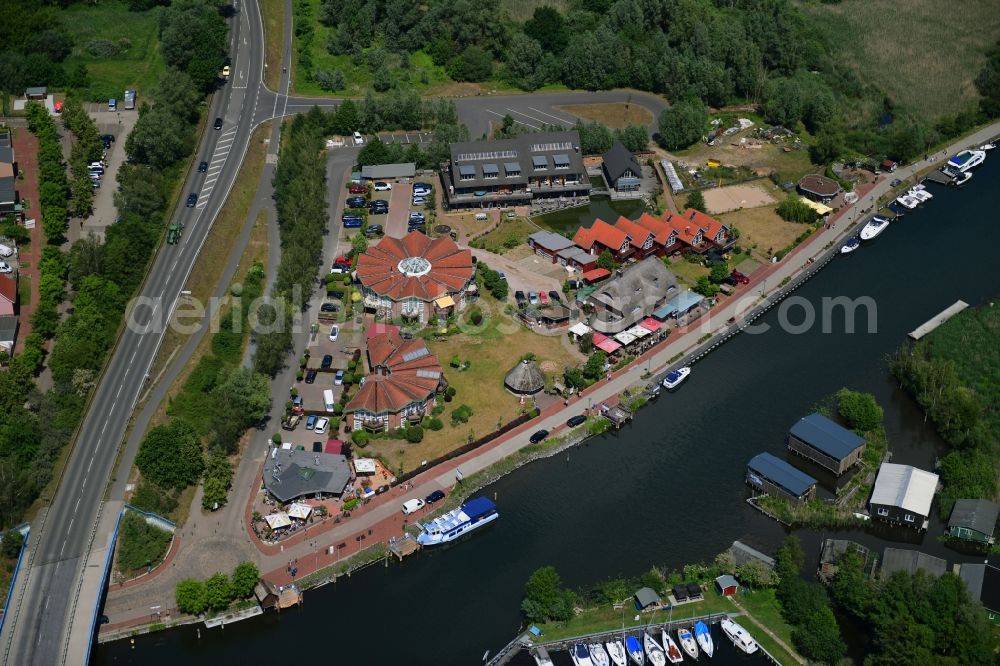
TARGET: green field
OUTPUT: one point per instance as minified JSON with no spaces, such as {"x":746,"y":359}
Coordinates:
{"x":924,"y":54}
{"x":139,"y":65}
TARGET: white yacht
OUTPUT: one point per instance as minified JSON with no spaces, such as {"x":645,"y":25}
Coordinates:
{"x":874,"y":227}
{"x":616,"y":650}
{"x":967,"y":159}
{"x":598,"y":655}
{"x":674,"y":379}
{"x":671,"y":649}
{"x":653,"y":651}
{"x":908,"y":201}
{"x":921,"y":193}
{"x":542,"y":657}
{"x":851,"y":245}
{"x":581,"y":655}
{"x":687,"y":641}
{"x":962,"y":179}
{"x":739,"y":636}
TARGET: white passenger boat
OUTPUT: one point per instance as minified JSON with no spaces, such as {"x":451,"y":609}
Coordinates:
{"x":962,"y":179}
{"x":598,"y":655}
{"x":654,"y":651}
{"x":687,"y":641}
{"x":703,"y":635}
{"x":581,"y":655}
{"x":542,"y":657}
{"x":967,"y":159}
{"x":674,"y":379}
{"x":634,"y":649}
{"x":616,"y":650}
{"x":470,"y":516}
{"x":922,"y":195}
{"x":874,"y":227}
{"x":739,"y":636}
{"x":908,"y":202}
{"x":988,"y":146}
{"x":851,"y":245}
{"x":670,"y":647}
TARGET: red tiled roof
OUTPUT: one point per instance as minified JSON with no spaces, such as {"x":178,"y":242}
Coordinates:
{"x":601,"y":232}
{"x":688,"y":224}
{"x":403,"y":372}
{"x":709,"y":224}
{"x":637,"y":234}
{"x":451,"y":267}
{"x":8,"y":288}
{"x":659,"y":227}
{"x":378,"y":328}
{"x":596,"y":274}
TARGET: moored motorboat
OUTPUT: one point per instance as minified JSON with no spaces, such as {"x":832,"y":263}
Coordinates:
{"x":674,"y":378}
{"x":988,"y":146}
{"x":967,"y":159}
{"x":654,"y":651}
{"x":922,"y":195}
{"x":962,"y":179}
{"x":908,"y":202}
{"x":851,"y":245}
{"x":671,"y":649}
{"x":542,"y":657}
{"x":616,"y":651}
{"x":874,"y":227}
{"x":598,"y":655}
{"x":634,"y":649}
{"x":580,"y":655}
{"x":739,"y":636}
{"x":687,"y":641}
{"x":896,"y":208}
{"x":703,"y":635}
{"x":470,"y":516}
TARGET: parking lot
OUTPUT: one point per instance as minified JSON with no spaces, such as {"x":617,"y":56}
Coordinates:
{"x":118,"y":124}
{"x":406,"y":137}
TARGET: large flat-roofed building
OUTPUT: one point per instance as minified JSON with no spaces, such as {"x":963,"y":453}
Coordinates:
{"x":631,"y":296}
{"x":515,"y":172}
{"x":774,"y":476}
{"x":826,"y":443}
{"x":903,"y":495}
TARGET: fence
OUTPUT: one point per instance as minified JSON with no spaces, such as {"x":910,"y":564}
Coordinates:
{"x":153,"y":519}
{"x":17,"y":567}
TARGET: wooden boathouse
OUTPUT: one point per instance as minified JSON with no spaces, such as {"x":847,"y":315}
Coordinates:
{"x":826,"y":443}
{"x":773,"y":476}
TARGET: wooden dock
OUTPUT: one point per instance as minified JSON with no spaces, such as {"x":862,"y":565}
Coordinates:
{"x":937,"y":320}
{"x":403,"y":546}
{"x":940,"y":177}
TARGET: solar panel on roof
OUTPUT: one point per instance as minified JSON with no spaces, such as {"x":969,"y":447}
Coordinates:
{"x":561,"y":160}
{"x":467,"y":170}
{"x":428,"y":374}
{"x":490,"y":168}
{"x":540,"y":161}
{"x":415,"y":354}
{"x":557,"y":145}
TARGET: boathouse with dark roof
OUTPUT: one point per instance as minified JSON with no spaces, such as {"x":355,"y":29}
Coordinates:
{"x":826,"y":443}
{"x":974,"y":520}
{"x":772,"y":475}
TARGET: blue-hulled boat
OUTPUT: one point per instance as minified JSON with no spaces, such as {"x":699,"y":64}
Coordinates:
{"x":634,"y":649}
{"x":704,"y":637}
{"x":581,"y":655}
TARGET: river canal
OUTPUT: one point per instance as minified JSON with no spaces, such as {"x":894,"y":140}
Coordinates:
{"x":667,"y":490}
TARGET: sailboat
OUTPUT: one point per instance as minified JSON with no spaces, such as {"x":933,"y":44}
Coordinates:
{"x":634,"y":649}
{"x":686,"y":639}
{"x":616,"y":650}
{"x":703,"y":635}
{"x":581,"y":655}
{"x":653,"y":651}
{"x":670,"y":647}
{"x":598,"y":655}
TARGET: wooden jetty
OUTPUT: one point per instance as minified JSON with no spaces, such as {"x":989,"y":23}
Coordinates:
{"x":617,"y":414}
{"x":937,"y":320}
{"x":940,"y":177}
{"x":403,"y":546}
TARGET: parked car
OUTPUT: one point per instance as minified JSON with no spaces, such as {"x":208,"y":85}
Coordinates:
{"x":731,"y":281}
{"x":419,"y":201}
{"x":356,"y":202}
{"x":327,"y":361}
{"x":543,"y":298}
{"x":554,"y":295}
{"x":378,"y":209}
{"x":112,"y":104}
{"x":420,"y":192}
{"x":218,"y":123}
{"x":340,"y":266}
{"x":575,"y":421}
{"x":297,"y":405}
{"x":338,"y":378}
{"x":358,"y":139}
{"x":321,"y":424}
{"x":334,"y":332}
{"x":191,"y":200}
{"x":412,"y":506}
{"x":519,"y":296}
{"x":5,"y":267}
{"x":382,"y":187}
{"x":502,"y":275}
{"x":739,"y":277}
{"x":895,"y":182}
{"x":381,"y":490}
{"x":202,"y":166}
{"x":291,"y":422}
{"x":533,"y":298}
{"x":352,"y":221}
{"x":311,"y":422}
{"x":357,"y":188}
{"x":6,"y":251}
{"x":538,"y":436}
{"x":435,"y":496}
{"x":423,"y":186}
{"x":310,"y":376}
{"x":107,"y":140}
{"x":373,"y":230}
{"x":225,"y":71}
{"x":329,"y":307}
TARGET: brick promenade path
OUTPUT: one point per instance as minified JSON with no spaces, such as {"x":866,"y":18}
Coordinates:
{"x":26,"y":154}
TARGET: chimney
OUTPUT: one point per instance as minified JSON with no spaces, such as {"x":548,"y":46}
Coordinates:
{"x":693,"y":212}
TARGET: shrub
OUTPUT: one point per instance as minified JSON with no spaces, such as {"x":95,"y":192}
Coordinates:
{"x":170,"y":455}
{"x":414,"y":434}
{"x":140,"y":545}
{"x":10,"y":547}
{"x":461,"y":414}
{"x":435,"y":424}
{"x":452,"y":391}
{"x":360,"y":438}
{"x":190,"y":596}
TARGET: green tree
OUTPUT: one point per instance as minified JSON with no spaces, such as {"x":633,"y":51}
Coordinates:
{"x":10,"y":547}
{"x":170,"y":455}
{"x":140,"y":545}
{"x":245,"y":577}
{"x":242,"y":400}
{"x":696,"y":200}
{"x":705,"y":286}
{"x":548,"y":28}
{"x":793,"y":209}
{"x":682,"y":124}
{"x":359,"y":244}
{"x":849,"y":588}
{"x":988,"y":83}
{"x":543,"y":595}
{"x":473,"y":64}
{"x":191,"y":597}
{"x":606,"y":260}
{"x":525,"y":63}
{"x":784,"y":103}
{"x":218,"y":480}
{"x":218,"y":591}
{"x":860,"y":410}
{"x":719,"y":272}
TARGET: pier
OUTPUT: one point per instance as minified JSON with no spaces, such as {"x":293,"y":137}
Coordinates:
{"x":932,"y":323}
{"x":940,"y":177}
{"x":404,"y":546}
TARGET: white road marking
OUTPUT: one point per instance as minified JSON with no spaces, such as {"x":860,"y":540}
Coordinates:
{"x":522,"y":113}
{"x":561,"y":120}
{"x":500,"y":115}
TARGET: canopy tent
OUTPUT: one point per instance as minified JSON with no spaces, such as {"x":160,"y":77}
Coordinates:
{"x":820,"y":209}
{"x":368,"y":492}
{"x":286,"y":446}
{"x":625,"y":338}
{"x":579,"y":328}
{"x":278,"y":520}
{"x":364,"y":466}
{"x":639,"y":332}
{"x":650,"y":324}
{"x":299,"y":510}
{"x":608,"y":346}
{"x":445,"y":301}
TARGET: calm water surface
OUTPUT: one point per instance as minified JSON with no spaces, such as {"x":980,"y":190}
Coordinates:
{"x":569,"y":220}
{"x":667,"y":490}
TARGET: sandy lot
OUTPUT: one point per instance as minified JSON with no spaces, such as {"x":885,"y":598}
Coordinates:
{"x":614,"y":114}
{"x":732,"y":197}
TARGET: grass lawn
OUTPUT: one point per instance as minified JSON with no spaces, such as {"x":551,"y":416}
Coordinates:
{"x":923,"y":54}
{"x":687,"y":272}
{"x":509,"y":234}
{"x":762,"y":230}
{"x":616,"y":114}
{"x":24,"y":289}
{"x":764,"y":610}
{"x":492,"y":354}
{"x":273,"y":13}
{"x":138,"y":66}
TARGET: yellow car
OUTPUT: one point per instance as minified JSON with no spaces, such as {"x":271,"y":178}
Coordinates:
{"x":225,"y":72}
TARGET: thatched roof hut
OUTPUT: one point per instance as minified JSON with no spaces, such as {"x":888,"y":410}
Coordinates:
{"x":525,"y":378}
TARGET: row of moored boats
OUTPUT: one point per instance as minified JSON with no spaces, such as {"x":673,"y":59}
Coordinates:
{"x":958,"y":167}
{"x":691,"y":641}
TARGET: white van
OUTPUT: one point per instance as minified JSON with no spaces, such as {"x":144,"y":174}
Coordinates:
{"x":328,"y":400}
{"x":358,"y":139}
{"x":412,"y":506}
{"x":6,"y":251}
{"x":481,"y":217}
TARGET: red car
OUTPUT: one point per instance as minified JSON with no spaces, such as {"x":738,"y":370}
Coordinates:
{"x":357,"y":189}
{"x":739,"y":277}
{"x":342,"y":260}
{"x":543,"y":297}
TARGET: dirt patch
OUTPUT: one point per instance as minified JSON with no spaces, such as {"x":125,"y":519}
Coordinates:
{"x":733,"y":197}
{"x":455,"y":89}
{"x":762,"y":230}
{"x":549,"y":366}
{"x":617,"y":114}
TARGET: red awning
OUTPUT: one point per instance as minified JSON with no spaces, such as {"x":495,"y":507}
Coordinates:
{"x":650,"y":324}
{"x":607,"y":345}
{"x":334,"y":446}
{"x":596,"y":274}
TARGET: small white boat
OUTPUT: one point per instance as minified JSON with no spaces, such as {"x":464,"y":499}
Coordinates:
{"x":687,"y":641}
{"x":674,"y":379}
{"x":598,"y":655}
{"x":874,"y":227}
{"x":654,"y":651}
{"x":988,"y":146}
{"x":967,"y":159}
{"x":739,"y":636}
{"x":670,"y":647}
{"x":851,"y":245}
{"x":634,"y":649}
{"x":581,"y":655}
{"x":703,"y":635}
{"x":908,"y":201}
{"x":542,"y":657}
{"x":962,"y":179}
{"x":922,"y":195}
{"x":616,"y":650}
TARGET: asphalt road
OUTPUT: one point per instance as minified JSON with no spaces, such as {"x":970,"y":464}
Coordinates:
{"x":38,"y":623}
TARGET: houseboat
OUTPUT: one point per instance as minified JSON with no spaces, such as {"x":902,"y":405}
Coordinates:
{"x":456,"y":523}
{"x":967,"y":159}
